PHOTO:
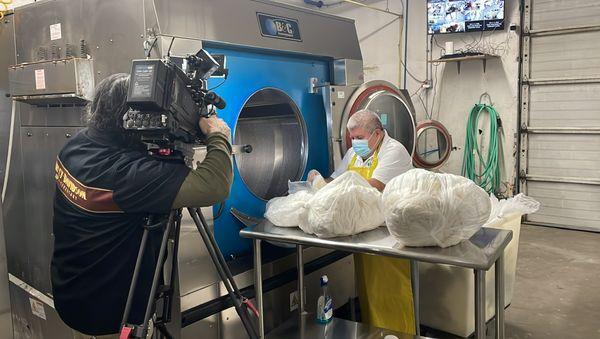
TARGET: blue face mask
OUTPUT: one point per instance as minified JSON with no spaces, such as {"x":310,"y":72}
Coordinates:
{"x":361,"y":147}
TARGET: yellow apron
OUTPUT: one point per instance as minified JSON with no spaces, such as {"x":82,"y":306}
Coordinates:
{"x":383,"y":283}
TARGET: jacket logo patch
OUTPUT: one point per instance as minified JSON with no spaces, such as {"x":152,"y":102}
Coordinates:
{"x":91,"y":199}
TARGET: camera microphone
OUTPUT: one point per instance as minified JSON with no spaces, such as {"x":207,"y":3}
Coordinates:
{"x":214,"y":99}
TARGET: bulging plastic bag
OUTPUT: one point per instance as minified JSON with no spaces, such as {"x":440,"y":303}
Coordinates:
{"x":504,"y":209}
{"x":299,"y":186}
{"x":286,"y":211}
{"x":348,"y":205}
{"x":423,"y":208}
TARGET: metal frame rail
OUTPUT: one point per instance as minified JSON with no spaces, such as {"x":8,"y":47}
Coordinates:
{"x":484,"y":250}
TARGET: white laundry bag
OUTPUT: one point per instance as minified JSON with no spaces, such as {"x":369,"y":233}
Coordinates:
{"x":348,"y":205}
{"x":423,"y":208}
{"x":504,"y":209}
{"x":448,"y":304}
{"x":286,"y":211}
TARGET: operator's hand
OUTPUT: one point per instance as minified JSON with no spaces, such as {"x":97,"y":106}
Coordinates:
{"x":312,"y":175}
{"x":214,"y":124}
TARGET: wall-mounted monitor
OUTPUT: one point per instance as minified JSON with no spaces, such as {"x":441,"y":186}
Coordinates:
{"x":456,"y":16}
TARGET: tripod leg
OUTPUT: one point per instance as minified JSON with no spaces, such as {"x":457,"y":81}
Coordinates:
{"x":140,"y":331}
{"x":213,"y":250}
{"x":134,"y":279}
{"x":223,"y":270}
{"x":159,"y":266}
{"x":170,"y":284}
{"x":213,"y":242}
{"x":162,"y":331}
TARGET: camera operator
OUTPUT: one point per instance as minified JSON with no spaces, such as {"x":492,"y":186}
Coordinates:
{"x":107,"y":185}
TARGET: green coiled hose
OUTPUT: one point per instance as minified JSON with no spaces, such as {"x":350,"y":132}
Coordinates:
{"x":489,"y":177}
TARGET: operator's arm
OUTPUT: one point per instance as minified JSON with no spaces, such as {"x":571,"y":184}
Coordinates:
{"x":377,"y":184}
{"x":211,"y":181}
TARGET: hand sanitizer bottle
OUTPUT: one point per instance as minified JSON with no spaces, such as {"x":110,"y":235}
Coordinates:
{"x":324,"y":303}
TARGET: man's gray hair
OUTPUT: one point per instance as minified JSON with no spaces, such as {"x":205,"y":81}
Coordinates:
{"x":110,"y":103}
{"x":365,"y":119}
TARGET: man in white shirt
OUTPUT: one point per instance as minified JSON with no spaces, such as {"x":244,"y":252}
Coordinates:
{"x":374,"y":154}
{"x":383,"y":283}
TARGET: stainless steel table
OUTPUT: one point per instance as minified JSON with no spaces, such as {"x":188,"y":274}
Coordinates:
{"x":308,"y":328}
{"x":479,"y":253}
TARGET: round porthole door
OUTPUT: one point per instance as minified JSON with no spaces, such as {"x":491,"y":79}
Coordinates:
{"x":393,"y":106}
{"x":433,"y":145}
{"x":271,"y":122}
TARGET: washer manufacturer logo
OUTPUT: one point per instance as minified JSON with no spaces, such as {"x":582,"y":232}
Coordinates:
{"x":278,"y":27}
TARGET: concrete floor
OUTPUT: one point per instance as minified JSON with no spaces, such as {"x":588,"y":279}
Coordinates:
{"x":557,"y":287}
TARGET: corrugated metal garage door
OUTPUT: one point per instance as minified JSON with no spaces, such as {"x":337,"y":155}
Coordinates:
{"x":560,"y":111}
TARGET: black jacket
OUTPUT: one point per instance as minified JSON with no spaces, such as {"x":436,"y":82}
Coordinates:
{"x":104,"y":190}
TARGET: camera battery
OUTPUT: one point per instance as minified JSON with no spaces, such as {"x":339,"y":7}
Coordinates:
{"x":148,"y":85}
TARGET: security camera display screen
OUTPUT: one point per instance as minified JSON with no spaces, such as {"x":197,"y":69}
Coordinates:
{"x":454,"y":16}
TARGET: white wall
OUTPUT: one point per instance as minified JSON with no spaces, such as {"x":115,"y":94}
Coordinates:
{"x":379,"y":37}
{"x":378,"y":34}
{"x":455,"y":94}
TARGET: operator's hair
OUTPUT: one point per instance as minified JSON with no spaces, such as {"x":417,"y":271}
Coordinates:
{"x":110,"y":103}
{"x":365,"y":119}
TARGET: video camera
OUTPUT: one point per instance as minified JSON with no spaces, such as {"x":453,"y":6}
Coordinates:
{"x":166,"y":101}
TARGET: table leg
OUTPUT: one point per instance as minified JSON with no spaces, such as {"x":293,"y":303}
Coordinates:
{"x":258,"y":288}
{"x":500,"y":297}
{"x":480,"y":304}
{"x":300,"y":265}
{"x":352,"y":309}
{"x":414,"y":270}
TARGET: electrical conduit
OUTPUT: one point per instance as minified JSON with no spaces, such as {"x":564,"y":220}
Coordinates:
{"x":9,"y":152}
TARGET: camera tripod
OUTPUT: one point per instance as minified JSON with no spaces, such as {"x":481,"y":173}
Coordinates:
{"x":161,"y":292}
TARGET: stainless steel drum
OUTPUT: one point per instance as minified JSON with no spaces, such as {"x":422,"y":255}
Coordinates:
{"x":272,"y":124}
{"x":393,"y":106}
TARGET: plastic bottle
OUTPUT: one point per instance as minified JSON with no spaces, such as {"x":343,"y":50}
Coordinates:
{"x":324,"y":303}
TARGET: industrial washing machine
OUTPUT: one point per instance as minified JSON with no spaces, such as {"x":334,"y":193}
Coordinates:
{"x":294,"y":128}
{"x":291,"y":78}
{"x":270,"y":108}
